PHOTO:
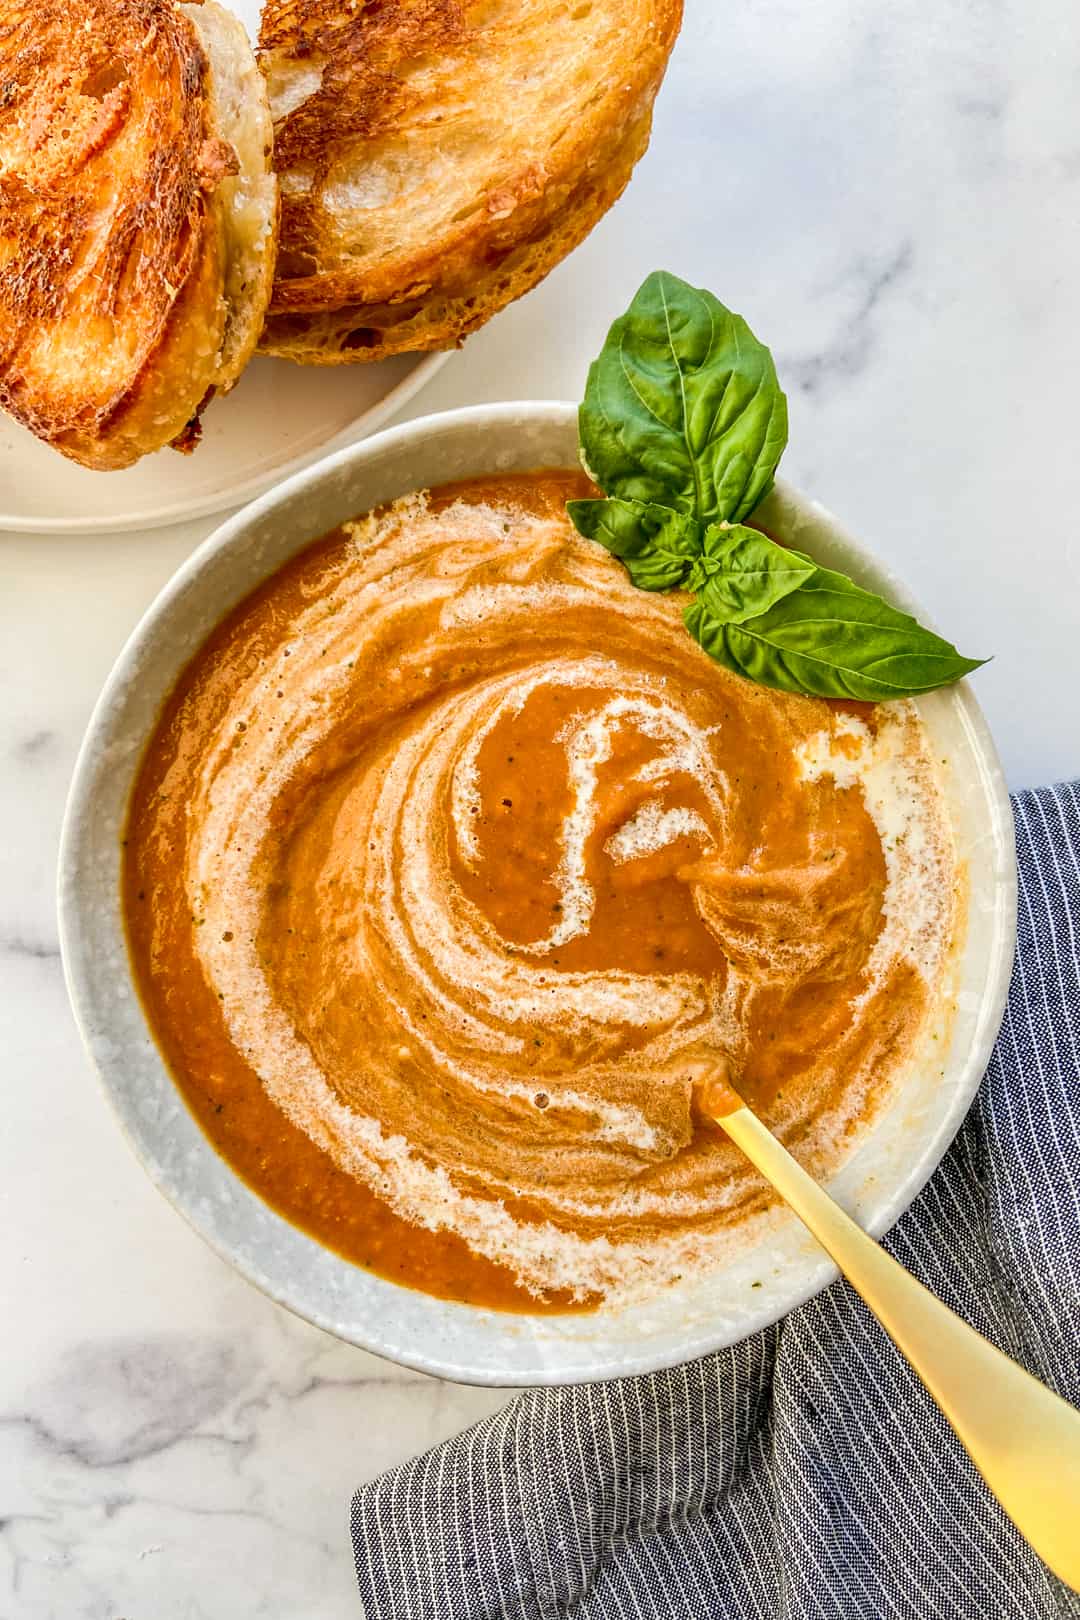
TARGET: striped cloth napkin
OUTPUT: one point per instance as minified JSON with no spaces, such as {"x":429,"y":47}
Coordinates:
{"x":805,"y":1472}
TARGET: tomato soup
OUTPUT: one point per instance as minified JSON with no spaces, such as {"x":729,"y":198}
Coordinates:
{"x":454,"y":867}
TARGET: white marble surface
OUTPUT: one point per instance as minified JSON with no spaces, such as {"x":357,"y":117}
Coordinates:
{"x":892,"y":195}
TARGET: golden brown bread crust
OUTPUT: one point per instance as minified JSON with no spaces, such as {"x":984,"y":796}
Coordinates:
{"x":114,"y":244}
{"x":422,"y":188}
{"x":444,"y":319}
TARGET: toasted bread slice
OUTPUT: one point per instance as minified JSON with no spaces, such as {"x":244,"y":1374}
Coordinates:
{"x":137,"y":219}
{"x":437,"y":159}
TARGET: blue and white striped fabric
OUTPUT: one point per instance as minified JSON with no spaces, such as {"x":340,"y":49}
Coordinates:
{"x":806,"y":1472}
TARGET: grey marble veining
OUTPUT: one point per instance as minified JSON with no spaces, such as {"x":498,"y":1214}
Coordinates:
{"x":204,"y":1472}
{"x":892,"y":196}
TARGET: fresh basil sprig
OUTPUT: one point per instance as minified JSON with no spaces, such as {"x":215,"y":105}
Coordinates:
{"x":807,"y":629}
{"x":682,"y":406}
{"x":658,"y":545}
{"x":742,"y":573}
{"x":682,"y":426}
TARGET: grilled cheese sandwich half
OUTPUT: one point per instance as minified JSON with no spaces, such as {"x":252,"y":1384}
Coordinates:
{"x":138,"y":215}
{"x":438,"y":158}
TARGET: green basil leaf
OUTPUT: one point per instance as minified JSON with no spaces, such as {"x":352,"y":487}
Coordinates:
{"x":830,"y":638}
{"x":742,"y":573}
{"x":657,"y":545}
{"x":682,"y":407}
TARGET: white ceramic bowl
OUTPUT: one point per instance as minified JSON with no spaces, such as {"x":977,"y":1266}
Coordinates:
{"x":779,"y":1266}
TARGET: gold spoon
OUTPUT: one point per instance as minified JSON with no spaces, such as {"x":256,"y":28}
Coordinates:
{"x":1024,"y":1440}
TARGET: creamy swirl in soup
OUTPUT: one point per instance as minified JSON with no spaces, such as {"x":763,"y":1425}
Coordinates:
{"x":454,"y":866}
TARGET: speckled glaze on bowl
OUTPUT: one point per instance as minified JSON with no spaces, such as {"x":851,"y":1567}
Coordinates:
{"x":772,"y":1266}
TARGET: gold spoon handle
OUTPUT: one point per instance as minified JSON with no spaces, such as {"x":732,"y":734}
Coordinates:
{"x":1024,"y":1440}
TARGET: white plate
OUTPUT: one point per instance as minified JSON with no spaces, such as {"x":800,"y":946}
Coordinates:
{"x":777,"y":1265}
{"x":278,"y":418}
